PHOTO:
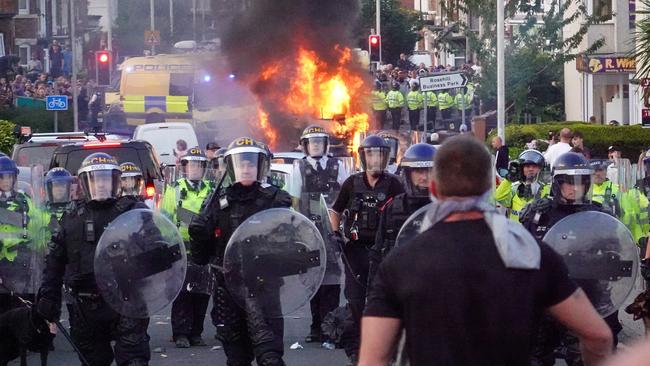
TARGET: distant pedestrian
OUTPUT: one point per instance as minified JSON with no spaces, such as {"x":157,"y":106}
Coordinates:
{"x":501,"y":156}
{"x":557,"y":149}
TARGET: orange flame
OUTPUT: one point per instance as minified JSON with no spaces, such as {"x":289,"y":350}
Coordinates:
{"x":321,"y":91}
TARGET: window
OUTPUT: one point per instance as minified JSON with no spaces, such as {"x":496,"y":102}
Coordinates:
{"x":24,"y":52}
{"x":23,"y":6}
{"x":603,"y":9}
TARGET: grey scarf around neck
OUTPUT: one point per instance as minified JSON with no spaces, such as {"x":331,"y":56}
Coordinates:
{"x":516,"y":246}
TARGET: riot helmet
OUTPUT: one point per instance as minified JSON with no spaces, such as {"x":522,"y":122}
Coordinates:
{"x":393,"y":143}
{"x":58,"y":184}
{"x":314,"y":141}
{"x":416,"y":169}
{"x":8,"y":174}
{"x":194,"y":164}
{"x":100,"y":177}
{"x":571,"y":179}
{"x":132,"y":181}
{"x":531,"y":162}
{"x":220,"y":156}
{"x":373,"y":154}
{"x":247,"y":161}
{"x":599,"y":166}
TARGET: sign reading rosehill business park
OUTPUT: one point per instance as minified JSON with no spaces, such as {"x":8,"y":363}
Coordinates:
{"x":605,"y":64}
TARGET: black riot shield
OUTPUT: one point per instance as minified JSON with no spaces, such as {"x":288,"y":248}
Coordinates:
{"x":600,"y":254}
{"x":140,"y":263}
{"x":274,"y":262}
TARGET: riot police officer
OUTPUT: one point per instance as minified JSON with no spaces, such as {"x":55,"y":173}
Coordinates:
{"x":21,"y":228}
{"x":320,"y":175}
{"x":416,"y":168}
{"x":93,"y":324}
{"x":245,"y":334}
{"x":131,"y":181}
{"x":572,"y":178}
{"x":522,"y":184}
{"x":357,"y":205}
{"x":182,"y":200}
{"x":58,"y":186}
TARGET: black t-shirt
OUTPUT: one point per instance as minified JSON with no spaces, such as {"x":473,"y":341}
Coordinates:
{"x":457,"y":301}
{"x":347,"y":189}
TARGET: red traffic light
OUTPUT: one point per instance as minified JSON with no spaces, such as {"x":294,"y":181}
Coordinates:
{"x":102,"y":57}
{"x":374,"y":40}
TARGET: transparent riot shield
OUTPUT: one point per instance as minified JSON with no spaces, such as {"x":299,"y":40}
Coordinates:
{"x":621,"y":173}
{"x":600,"y":254}
{"x":411,"y":227}
{"x":170,"y":174}
{"x":274,"y":262}
{"x":140,"y":263}
{"x":38,"y":181}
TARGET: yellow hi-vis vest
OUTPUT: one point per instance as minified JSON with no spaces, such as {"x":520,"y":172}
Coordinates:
{"x":158,"y":104}
{"x":379,"y":100}
{"x":395,"y":99}
{"x":445,"y":101}
{"x":431,"y":98}
{"x":463,"y":101}
{"x":414,"y":100}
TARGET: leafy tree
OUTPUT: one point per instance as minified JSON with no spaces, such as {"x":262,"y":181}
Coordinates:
{"x":400,"y":28}
{"x":641,"y":49}
{"x":535,"y":53}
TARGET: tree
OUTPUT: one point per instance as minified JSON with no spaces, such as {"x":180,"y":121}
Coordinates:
{"x":641,"y":49}
{"x":535,"y":53}
{"x":400,"y":28}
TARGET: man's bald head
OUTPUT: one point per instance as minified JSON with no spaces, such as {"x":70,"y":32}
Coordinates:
{"x":565,"y":135}
{"x":497,"y":142}
{"x":463,"y":168}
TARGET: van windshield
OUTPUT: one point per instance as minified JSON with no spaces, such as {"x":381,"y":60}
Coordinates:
{"x":164,"y":141}
{"x":72,"y":161}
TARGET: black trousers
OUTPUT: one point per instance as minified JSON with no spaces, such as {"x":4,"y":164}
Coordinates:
{"x":188,"y":314}
{"x":431,"y":115}
{"x":380,"y":119}
{"x":446,"y":113}
{"x":245,"y":334}
{"x":396,"y":115}
{"x":325,"y":300}
{"x":93,"y":325}
{"x":356,"y":279}
{"x":414,"y":118}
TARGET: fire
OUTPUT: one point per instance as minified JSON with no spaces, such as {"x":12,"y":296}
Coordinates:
{"x":317,"y":90}
{"x":269,"y":132}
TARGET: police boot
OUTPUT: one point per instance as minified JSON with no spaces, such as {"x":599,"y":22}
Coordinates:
{"x":182,"y":342}
{"x":197,"y":341}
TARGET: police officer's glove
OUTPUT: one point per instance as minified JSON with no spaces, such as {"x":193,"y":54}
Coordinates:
{"x":645,"y":269}
{"x":48,"y":309}
{"x":515,"y":173}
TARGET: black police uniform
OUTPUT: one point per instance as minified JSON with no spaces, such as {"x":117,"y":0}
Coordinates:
{"x":393,"y":215}
{"x":316,"y":182}
{"x":538,"y":217}
{"x":93,"y":323}
{"x":361,"y":203}
{"x":245,"y":335}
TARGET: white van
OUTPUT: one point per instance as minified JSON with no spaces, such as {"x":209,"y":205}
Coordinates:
{"x":163,"y":137}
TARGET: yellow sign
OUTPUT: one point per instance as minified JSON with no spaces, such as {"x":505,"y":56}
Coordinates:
{"x":151,"y":37}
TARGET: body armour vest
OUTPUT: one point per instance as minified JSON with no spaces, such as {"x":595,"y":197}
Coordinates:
{"x":362,"y":218}
{"x":317,"y":182}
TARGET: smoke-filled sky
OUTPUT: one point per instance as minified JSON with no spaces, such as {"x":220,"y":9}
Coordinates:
{"x":274,"y":30}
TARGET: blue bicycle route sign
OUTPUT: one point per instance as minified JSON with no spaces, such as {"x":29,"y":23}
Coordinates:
{"x":56,"y":103}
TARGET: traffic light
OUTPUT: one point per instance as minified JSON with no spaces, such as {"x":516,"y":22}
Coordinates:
{"x":374,"y":47}
{"x":103,"y":67}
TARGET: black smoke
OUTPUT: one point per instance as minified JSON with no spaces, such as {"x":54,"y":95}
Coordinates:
{"x":274,"y":31}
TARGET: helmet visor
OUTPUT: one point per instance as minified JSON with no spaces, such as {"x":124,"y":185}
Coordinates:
{"x":7,"y":182}
{"x":573,"y":189}
{"x":417,"y":180}
{"x":374,"y":159}
{"x":247,"y":167}
{"x":58,"y":191}
{"x":394,"y":147}
{"x":193,"y":169}
{"x":132,"y":186}
{"x":315,"y":147}
{"x":101,"y":185}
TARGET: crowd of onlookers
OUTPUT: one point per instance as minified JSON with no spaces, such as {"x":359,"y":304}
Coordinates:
{"x":404,"y":69}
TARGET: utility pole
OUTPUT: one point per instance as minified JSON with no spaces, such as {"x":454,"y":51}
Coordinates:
{"x":501,"y":110}
{"x":194,"y":20}
{"x":152,"y":25}
{"x":73,"y":38}
{"x":109,"y":35}
{"x":378,"y":12}
{"x":171,"y":19}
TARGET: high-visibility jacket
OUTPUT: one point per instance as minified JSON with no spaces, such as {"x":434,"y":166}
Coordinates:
{"x":463,"y":101}
{"x":507,"y":194}
{"x":182,"y":196}
{"x":445,"y":100}
{"x":158,"y":104}
{"x":395,"y":99}
{"x":379,"y":100}
{"x":431,"y":99}
{"x":630,"y":207}
{"x":415,"y":100}
{"x":21,"y":223}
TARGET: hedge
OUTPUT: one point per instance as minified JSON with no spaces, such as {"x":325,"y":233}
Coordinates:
{"x":39,"y":120}
{"x":597,"y":138}
{"x":7,"y":139}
